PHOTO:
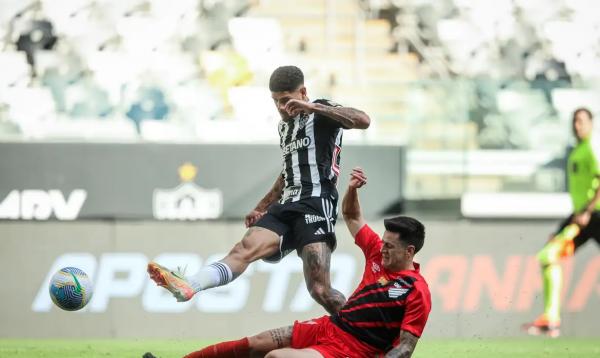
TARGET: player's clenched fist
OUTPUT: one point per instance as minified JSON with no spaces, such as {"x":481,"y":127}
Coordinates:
{"x":294,"y":107}
{"x":253,"y":217}
{"x":357,"y":178}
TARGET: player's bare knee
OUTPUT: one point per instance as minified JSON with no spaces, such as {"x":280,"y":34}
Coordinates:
{"x":319,"y":291}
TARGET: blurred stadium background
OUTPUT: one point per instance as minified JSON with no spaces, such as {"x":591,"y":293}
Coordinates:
{"x":133,"y":130}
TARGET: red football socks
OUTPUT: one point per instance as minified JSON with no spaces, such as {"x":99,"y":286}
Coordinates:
{"x":232,"y":349}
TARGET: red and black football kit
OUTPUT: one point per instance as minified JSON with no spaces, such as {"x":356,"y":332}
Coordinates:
{"x":371,"y":320}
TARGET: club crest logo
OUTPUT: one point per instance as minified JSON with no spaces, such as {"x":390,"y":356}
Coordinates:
{"x":187,"y":201}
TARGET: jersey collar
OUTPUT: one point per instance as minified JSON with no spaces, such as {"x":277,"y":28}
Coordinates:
{"x":417,"y":270}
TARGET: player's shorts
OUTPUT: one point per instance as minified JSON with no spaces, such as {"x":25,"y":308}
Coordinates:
{"x":591,"y":231}
{"x":330,"y":340}
{"x":301,"y":223}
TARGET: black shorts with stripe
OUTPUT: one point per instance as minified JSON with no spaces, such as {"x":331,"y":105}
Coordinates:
{"x":591,"y":231}
{"x":301,"y":223}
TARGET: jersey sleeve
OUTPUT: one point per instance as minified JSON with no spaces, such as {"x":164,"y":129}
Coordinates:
{"x":328,"y":121}
{"x":418,"y":306}
{"x":368,"y":241}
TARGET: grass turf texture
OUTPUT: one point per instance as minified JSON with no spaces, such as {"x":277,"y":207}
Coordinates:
{"x":518,"y":347}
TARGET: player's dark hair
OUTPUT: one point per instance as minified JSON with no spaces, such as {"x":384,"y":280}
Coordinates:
{"x":411,"y":231}
{"x":583,"y":109}
{"x":286,"y":79}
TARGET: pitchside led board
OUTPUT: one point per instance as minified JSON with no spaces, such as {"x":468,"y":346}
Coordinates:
{"x":484,"y":280}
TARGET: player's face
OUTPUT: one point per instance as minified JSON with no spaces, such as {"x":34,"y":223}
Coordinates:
{"x":281,"y":99}
{"x":395,"y":254}
{"x":582,"y":125}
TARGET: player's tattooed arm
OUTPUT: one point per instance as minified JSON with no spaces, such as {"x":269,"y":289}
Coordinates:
{"x":272,"y":196}
{"x":346,"y":116}
{"x":350,"y":203}
{"x":405,"y":347}
{"x":261,"y":208}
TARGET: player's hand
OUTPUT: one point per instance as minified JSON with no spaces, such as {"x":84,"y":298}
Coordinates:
{"x":253,"y":217}
{"x":294,"y":107}
{"x":357,"y":178}
{"x":582,"y":219}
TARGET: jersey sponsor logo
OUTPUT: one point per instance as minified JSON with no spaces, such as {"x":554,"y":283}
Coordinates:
{"x":290,"y":192}
{"x":187,"y":201}
{"x":42,"y":204}
{"x":310,"y":219}
{"x":296,"y":145}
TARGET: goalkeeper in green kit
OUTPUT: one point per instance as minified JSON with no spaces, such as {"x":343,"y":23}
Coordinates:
{"x":583,"y":181}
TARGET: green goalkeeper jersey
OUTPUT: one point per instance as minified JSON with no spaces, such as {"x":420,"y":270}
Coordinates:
{"x":583,"y":173}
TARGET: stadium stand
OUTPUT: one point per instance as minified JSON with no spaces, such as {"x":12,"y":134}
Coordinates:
{"x":448,"y":75}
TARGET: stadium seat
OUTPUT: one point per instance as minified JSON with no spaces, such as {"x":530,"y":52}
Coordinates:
{"x":15,"y":69}
{"x":28,"y":106}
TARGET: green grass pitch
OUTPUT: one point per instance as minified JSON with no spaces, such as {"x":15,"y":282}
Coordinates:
{"x":475,"y":348}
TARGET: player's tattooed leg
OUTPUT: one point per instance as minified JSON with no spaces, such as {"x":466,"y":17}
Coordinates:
{"x":270,"y":340}
{"x":316,"y":259}
{"x":282,"y":337}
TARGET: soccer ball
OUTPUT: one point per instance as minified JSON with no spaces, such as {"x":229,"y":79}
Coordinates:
{"x":71,"y":289}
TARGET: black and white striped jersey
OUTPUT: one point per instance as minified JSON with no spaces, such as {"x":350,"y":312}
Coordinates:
{"x":311,"y":146}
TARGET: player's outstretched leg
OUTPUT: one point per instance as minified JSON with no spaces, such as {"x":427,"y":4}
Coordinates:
{"x":255,"y":346}
{"x":316,"y":258}
{"x":257,"y":243}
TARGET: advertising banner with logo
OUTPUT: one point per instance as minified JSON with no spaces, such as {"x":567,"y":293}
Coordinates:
{"x":70,"y":181}
{"x":483,"y":277}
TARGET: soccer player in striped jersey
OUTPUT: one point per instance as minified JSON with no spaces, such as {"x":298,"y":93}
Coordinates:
{"x":584,"y":224}
{"x":386,"y":314}
{"x":300,"y":211}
